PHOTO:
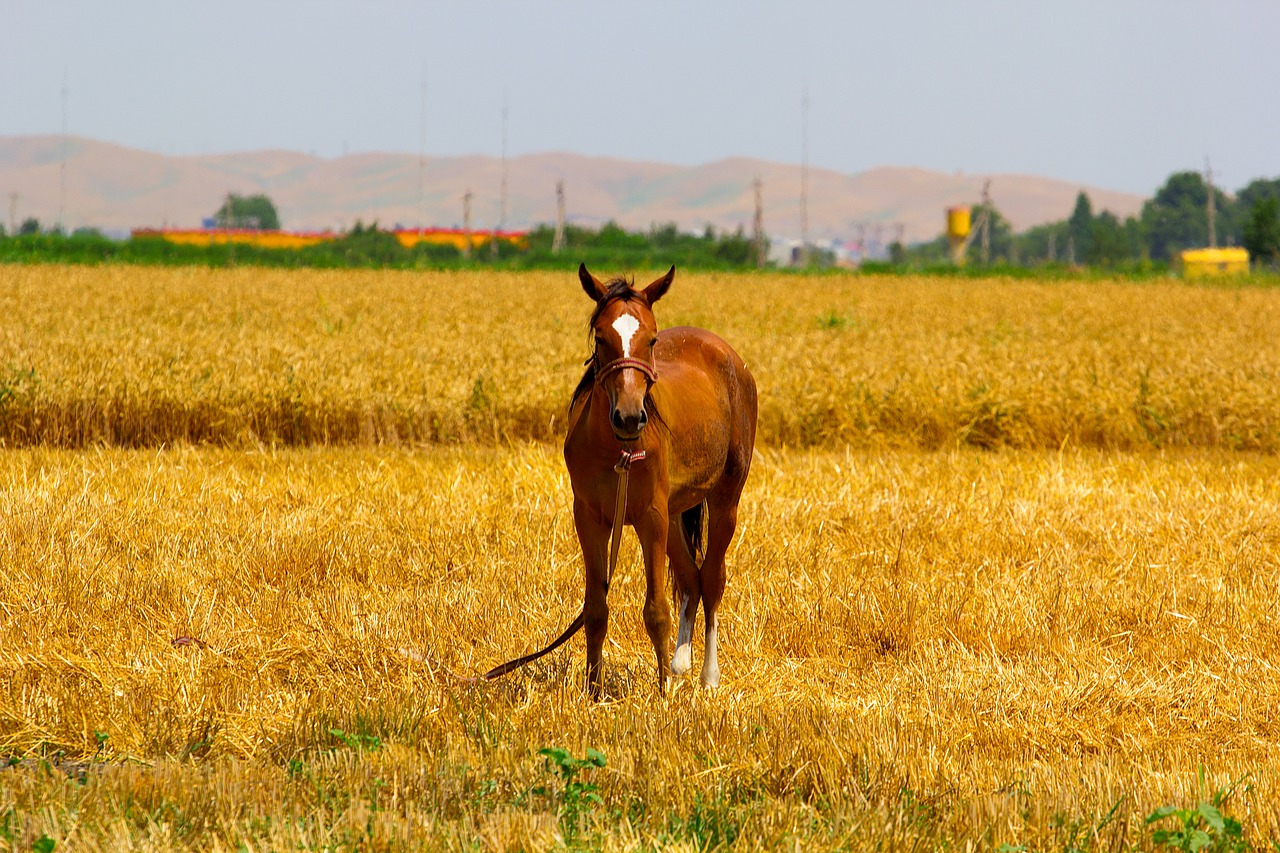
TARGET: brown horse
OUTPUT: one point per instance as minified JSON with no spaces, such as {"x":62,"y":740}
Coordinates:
{"x":684,"y":399}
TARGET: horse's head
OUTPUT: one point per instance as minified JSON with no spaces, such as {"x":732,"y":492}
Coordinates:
{"x":625,"y":332}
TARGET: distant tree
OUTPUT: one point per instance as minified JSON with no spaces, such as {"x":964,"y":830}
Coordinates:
{"x":1080,"y":229}
{"x":1043,"y":243}
{"x":367,"y":245}
{"x":30,"y":225}
{"x":734,"y":249}
{"x":1257,"y":189}
{"x":1246,"y":198}
{"x":897,"y":253}
{"x":664,"y":236}
{"x":1176,"y":217}
{"x":1262,"y":230}
{"x":1000,"y":239}
{"x":1108,"y":242}
{"x":1136,"y":235}
{"x":614,"y":236}
{"x":255,"y":212}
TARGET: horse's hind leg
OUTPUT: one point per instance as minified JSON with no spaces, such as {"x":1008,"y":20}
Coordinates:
{"x":688,"y":593}
{"x":721,"y":525}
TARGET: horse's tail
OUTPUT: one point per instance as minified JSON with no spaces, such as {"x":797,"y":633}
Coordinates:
{"x":693,"y":522}
{"x":503,"y":669}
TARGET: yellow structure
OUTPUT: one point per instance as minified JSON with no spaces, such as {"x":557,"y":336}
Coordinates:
{"x":220,"y":236}
{"x":959,"y":221}
{"x":458,"y":238}
{"x":1197,"y":263}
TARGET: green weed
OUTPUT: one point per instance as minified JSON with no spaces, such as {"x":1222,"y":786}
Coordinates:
{"x":1203,"y":827}
{"x":576,"y":796}
{"x":358,"y":742}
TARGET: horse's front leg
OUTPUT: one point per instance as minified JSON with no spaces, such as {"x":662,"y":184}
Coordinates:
{"x":593,"y":536}
{"x":651,"y":527}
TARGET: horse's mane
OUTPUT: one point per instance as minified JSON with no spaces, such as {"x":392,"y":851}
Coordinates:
{"x":615,"y":289}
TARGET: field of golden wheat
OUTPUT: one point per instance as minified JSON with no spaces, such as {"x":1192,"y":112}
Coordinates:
{"x":138,"y":357}
{"x":254,"y":524}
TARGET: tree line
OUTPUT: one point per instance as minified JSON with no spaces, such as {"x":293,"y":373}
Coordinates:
{"x":1175,"y":218}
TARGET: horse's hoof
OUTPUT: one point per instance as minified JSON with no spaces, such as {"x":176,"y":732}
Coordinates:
{"x":710,"y":678}
{"x":681,"y":661}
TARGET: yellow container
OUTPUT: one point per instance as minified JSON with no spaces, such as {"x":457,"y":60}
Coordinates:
{"x":1205,"y":262}
{"x":958,"y":222}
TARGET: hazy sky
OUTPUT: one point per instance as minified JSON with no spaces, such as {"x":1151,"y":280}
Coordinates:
{"x":1113,"y":93}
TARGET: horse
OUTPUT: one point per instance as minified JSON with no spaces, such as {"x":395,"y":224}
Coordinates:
{"x":678,"y":406}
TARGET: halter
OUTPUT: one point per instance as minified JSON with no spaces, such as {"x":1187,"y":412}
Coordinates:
{"x":622,"y":364}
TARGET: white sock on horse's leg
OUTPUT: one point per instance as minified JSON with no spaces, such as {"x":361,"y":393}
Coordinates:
{"x":683,"y":657}
{"x":710,"y":666}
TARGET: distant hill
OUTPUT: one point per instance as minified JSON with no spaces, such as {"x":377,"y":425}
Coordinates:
{"x":116,"y":188}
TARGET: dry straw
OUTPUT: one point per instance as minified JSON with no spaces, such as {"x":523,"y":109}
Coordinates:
{"x":215,"y":647}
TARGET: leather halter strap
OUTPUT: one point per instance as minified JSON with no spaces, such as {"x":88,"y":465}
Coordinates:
{"x":622,"y":364}
{"x":623,"y":468}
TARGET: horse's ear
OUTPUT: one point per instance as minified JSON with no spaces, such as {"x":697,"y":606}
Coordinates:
{"x":590,"y":283}
{"x":655,"y":291}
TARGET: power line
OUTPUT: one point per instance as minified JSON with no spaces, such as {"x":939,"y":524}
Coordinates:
{"x":466,"y":223}
{"x":502,"y":194}
{"x":757,"y":224}
{"x":986,"y":222}
{"x":1208,"y":179}
{"x":804,"y":176}
{"x":557,"y":242}
{"x":62,"y":172}
{"x":422,"y":159}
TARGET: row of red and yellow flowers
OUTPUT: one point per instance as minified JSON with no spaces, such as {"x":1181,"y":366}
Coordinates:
{"x":298,"y":239}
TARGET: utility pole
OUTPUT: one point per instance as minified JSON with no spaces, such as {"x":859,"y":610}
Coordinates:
{"x":422,"y":160}
{"x":1208,"y":179}
{"x":557,"y":242}
{"x":804,"y":177}
{"x":757,"y":223}
{"x":13,"y":212}
{"x":502,"y":195}
{"x":62,"y":172}
{"x":466,"y":224}
{"x":1053,"y":247}
{"x":986,"y":223}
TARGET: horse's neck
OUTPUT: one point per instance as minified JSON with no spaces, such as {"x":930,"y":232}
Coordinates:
{"x":590,"y":419}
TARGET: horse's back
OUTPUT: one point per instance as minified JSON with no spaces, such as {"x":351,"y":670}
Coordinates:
{"x":690,"y":356}
{"x":707,"y":399}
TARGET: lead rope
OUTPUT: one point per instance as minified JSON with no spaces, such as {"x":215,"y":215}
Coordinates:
{"x":623,"y":467}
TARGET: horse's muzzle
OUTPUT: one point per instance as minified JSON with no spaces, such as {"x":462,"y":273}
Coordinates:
{"x":628,"y":427}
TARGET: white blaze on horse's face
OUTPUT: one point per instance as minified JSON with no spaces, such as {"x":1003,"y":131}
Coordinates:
{"x":626,"y":385}
{"x":626,"y":326}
